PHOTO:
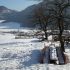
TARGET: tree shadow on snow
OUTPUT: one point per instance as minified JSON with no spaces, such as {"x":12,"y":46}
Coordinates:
{"x":33,"y":59}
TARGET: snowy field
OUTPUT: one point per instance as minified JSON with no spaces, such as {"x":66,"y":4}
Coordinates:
{"x":23,"y":54}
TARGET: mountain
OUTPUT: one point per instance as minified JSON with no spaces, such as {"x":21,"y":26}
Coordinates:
{"x":7,"y":14}
{"x":3,"y":9}
{"x":23,"y":16}
{"x":26,"y":15}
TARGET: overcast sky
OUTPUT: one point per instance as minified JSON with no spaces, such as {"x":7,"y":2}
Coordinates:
{"x":17,"y":4}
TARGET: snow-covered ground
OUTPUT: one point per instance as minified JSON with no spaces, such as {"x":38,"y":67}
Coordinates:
{"x":18,"y":54}
{"x":25,"y":57}
{"x":23,"y":54}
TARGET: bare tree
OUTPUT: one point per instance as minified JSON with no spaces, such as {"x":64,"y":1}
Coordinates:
{"x":58,"y":12}
{"x":41,"y":19}
{"x":58,"y":9}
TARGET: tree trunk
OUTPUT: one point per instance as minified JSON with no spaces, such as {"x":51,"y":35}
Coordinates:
{"x":46,"y":35}
{"x":62,"y":45}
{"x":61,"y":29}
{"x":61,"y":41}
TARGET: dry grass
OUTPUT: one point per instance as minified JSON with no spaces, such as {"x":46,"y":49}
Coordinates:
{"x":42,"y":56}
{"x":66,"y":58}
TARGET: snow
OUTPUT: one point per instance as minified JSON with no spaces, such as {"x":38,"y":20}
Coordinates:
{"x":50,"y":37}
{"x":2,"y":21}
{"x":7,"y":38}
{"x":19,"y":58}
{"x":23,"y":54}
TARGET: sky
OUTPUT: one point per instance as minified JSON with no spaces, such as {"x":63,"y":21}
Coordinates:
{"x":17,"y":4}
